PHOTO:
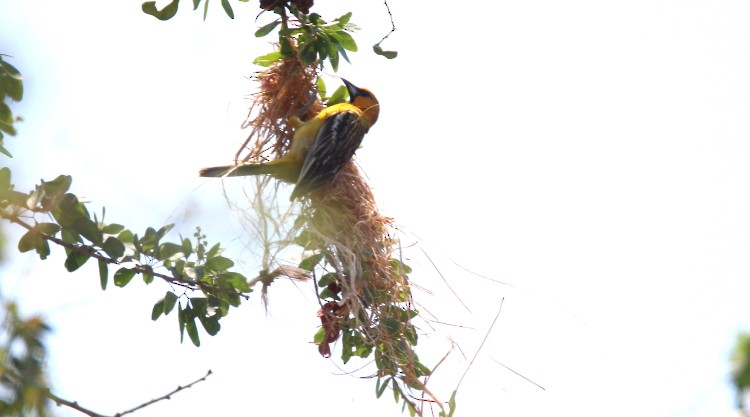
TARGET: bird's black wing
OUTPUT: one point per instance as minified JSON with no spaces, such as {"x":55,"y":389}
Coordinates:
{"x":338,"y":138}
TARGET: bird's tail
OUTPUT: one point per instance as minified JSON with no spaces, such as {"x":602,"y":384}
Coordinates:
{"x":282,"y":171}
{"x":235,"y":170}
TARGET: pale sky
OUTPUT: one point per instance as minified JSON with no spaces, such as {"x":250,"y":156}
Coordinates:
{"x":592,"y":154}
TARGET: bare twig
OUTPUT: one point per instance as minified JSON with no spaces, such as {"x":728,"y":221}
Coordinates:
{"x":393,"y":25}
{"x":445,"y":280}
{"x":164,"y":397}
{"x":481,"y":344}
{"x":504,"y":366}
{"x":74,"y":404}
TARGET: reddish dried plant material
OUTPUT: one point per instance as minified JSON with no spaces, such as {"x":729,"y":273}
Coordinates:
{"x":330,"y":315}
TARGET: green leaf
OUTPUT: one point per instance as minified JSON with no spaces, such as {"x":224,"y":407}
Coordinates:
{"x":338,"y":96}
{"x":309,"y":263}
{"x":75,"y":260}
{"x":68,"y":210}
{"x":380,"y":386}
{"x":205,"y":10}
{"x":342,"y":51}
{"x":210,"y":324}
{"x":123,"y":276}
{"x":112,"y":229}
{"x":33,"y":239}
{"x":199,"y":305}
{"x":58,"y":186}
{"x":328,"y":278}
{"x":227,"y":8}
{"x":113,"y":247}
{"x":35,"y":199}
{"x":321,"y":86}
{"x":88,"y":229}
{"x":103,"y":274}
{"x":326,"y":293}
{"x":218,"y":264}
{"x":399,"y":266}
{"x":213,"y":251}
{"x":126,"y":236}
{"x":392,"y":325}
{"x":285,"y":47}
{"x":158,"y":310}
{"x":6,"y":116}
{"x":422,"y":368}
{"x":181,"y":320}
{"x":196,"y":3}
{"x":166,"y":13}
{"x":266,"y":29}
{"x":148,"y":278}
{"x":170,"y":299}
{"x":236,"y":280}
{"x":334,"y":59}
{"x":322,"y":46}
{"x":388,"y":54}
{"x":171,"y":251}
{"x":2,"y":148}
{"x":5,"y":179}
{"x":345,"y":40}
{"x":194,"y":273}
{"x":452,"y":403}
{"x":307,"y":53}
{"x":233,"y":300}
{"x":13,"y":86}
{"x":319,"y":336}
{"x":344,"y":19}
{"x":192,"y":331}
{"x":149,"y":240}
{"x":49,"y":229}
{"x":187,"y":247}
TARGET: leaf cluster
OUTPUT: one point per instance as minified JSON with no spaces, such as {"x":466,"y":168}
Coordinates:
{"x":23,"y":381}
{"x":170,"y":10}
{"x":11,"y":88}
{"x":188,"y":266}
{"x":383,"y":330}
{"x":301,"y":34}
{"x":310,"y":38}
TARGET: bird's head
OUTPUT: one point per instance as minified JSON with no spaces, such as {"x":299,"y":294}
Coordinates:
{"x":365,"y":100}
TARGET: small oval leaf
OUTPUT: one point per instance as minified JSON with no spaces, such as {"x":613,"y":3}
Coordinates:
{"x":123,"y":276}
{"x":166,"y":13}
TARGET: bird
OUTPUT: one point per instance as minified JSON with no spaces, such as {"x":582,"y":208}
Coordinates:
{"x":320,"y":147}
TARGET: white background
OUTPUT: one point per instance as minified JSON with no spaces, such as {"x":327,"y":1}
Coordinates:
{"x":592,"y":154}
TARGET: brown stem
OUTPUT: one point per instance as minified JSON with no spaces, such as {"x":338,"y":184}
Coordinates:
{"x":141,"y":269}
{"x":74,"y":404}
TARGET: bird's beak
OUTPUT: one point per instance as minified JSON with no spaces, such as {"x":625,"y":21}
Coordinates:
{"x":354,"y":91}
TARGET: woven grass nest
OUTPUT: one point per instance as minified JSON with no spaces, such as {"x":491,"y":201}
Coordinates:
{"x":363,"y":287}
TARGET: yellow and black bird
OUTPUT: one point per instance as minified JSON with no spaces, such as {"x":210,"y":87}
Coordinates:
{"x":320,"y":146}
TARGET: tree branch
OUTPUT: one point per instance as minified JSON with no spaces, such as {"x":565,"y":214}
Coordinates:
{"x":74,"y":404}
{"x":93,"y":252}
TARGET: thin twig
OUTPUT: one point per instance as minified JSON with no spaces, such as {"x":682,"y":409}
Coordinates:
{"x":480,"y":275}
{"x":486,"y":335}
{"x":393,"y":25}
{"x":74,"y":404}
{"x":166,"y":396}
{"x":445,"y":280}
{"x":518,"y":374}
